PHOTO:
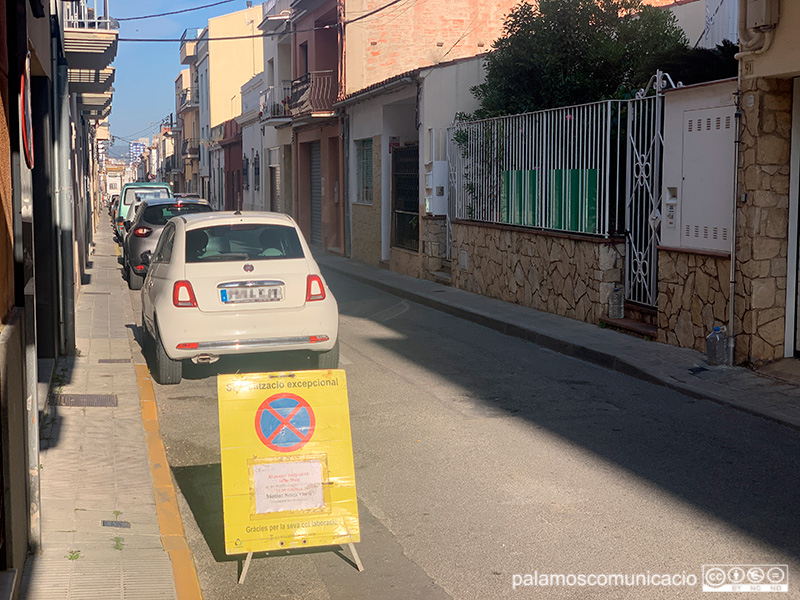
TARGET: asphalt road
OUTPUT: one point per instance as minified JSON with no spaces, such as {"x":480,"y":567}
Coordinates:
{"x":481,"y":459}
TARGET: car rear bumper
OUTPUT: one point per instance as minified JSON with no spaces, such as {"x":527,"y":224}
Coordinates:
{"x":249,"y":332}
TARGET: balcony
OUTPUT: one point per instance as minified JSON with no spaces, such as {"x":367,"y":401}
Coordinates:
{"x":188,"y":98}
{"x":191,"y":148}
{"x":90,"y":45}
{"x":171,"y":165}
{"x":274,"y":102}
{"x":189,"y":46}
{"x":313,"y":95}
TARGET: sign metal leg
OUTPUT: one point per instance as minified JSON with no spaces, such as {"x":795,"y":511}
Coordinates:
{"x":247,"y":566}
{"x":356,"y":557}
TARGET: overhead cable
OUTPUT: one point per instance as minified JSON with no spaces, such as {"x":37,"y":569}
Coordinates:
{"x":174,"y":12}
{"x":265,"y":34}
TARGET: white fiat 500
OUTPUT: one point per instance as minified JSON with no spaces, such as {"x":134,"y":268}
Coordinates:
{"x":227,"y":283}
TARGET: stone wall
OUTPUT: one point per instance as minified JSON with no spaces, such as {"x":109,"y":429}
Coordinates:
{"x":693,"y":292}
{"x":762,"y":220}
{"x":365,"y":238}
{"x":568,"y":275}
{"x":405,"y":262}
{"x":434,"y":245}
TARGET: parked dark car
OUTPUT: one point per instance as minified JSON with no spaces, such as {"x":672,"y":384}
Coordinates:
{"x":142,"y":233}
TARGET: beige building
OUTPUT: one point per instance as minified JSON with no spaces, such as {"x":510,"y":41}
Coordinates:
{"x":223,"y":67}
{"x":186,"y":166}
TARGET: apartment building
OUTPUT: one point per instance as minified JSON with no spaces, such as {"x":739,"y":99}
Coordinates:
{"x":275,"y":163}
{"x":223,"y":66}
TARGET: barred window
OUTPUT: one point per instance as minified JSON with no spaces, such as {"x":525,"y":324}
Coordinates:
{"x":364,"y":171}
{"x":257,"y":172}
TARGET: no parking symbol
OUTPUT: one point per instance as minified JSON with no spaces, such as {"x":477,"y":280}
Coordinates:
{"x":285,"y":422}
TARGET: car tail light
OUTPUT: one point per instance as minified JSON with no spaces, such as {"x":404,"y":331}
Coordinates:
{"x":315,"y":290}
{"x":183,"y":294}
{"x":316,"y":339}
{"x":187,"y":346}
{"x":142,"y":231}
{"x":139,"y":267}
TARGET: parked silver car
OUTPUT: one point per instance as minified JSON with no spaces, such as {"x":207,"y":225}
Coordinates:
{"x":143,"y":231}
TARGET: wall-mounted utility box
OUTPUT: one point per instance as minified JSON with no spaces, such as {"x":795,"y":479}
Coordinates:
{"x":762,"y":14}
{"x":699,"y":169}
{"x":436,"y":190}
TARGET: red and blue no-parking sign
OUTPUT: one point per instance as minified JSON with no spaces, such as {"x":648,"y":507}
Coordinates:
{"x":285,"y":422}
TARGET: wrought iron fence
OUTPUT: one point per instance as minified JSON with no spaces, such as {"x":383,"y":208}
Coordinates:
{"x":555,"y":169}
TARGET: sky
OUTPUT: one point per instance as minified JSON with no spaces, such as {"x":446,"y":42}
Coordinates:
{"x":145,"y":72}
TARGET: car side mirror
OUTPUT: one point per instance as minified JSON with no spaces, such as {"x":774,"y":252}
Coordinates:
{"x":127,"y":225}
{"x":147,"y":258}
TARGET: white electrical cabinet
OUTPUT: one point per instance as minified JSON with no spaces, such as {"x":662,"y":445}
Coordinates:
{"x":436,"y":191}
{"x":699,"y":169}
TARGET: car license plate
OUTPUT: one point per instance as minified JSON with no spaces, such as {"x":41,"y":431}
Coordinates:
{"x":264,"y":293}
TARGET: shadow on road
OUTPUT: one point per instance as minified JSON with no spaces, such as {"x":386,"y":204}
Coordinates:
{"x":201,"y":485}
{"x":735,"y":467}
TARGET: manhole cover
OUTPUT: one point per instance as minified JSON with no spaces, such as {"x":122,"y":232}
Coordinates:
{"x":114,"y":360}
{"x":107,"y":400}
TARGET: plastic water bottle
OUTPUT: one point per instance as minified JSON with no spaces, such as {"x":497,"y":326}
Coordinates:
{"x":616,"y":304}
{"x":717,"y":347}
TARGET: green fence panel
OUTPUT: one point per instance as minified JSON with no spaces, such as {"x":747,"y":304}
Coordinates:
{"x":518,"y":197}
{"x":573,"y":200}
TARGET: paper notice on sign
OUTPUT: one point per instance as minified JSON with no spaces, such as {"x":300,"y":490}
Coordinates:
{"x":291,"y":485}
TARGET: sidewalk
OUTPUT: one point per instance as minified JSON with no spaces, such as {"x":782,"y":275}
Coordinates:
{"x":101,"y":533}
{"x":680,"y":369}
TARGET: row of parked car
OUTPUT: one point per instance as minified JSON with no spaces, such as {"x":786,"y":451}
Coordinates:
{"x":220,"y":283}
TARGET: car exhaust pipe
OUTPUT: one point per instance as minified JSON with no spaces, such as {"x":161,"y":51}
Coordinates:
{"x":205,"y":359}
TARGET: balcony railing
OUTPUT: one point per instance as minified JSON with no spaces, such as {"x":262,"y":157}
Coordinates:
{"x":171,"y":164}
{"x":275,"y":100}
{"x":188,"y":98}
{"x":81,"y":15}
{"x":313,"y":93}
{"x":191,"y":147}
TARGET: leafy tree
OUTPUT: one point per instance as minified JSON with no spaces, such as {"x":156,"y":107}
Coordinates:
{"x":562,"y":52}
{"x":696,"y":65}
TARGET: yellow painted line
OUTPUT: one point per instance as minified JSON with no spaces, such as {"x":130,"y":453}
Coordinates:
{"x":116,"y":249}
{"x":170,"y":524}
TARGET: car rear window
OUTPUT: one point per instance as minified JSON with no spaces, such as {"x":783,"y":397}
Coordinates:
{"x":138,"y":194}
{"x":159,"y":215}
{"x":245,"y":241}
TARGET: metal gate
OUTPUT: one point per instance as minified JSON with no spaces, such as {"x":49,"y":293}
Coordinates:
{"x":316,"y":193}
{"x":643,"y":198}
{"x":405,"y":197}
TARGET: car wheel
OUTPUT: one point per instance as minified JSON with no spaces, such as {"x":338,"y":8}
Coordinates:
{"x":146,"y":341}
{"x":168,"y":371}
{"x":135,"y":281}
{"x":329,"y":359}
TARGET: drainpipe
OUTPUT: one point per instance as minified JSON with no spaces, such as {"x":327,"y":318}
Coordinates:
{"x":732,"y":295}
{"x":64,"y":209}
